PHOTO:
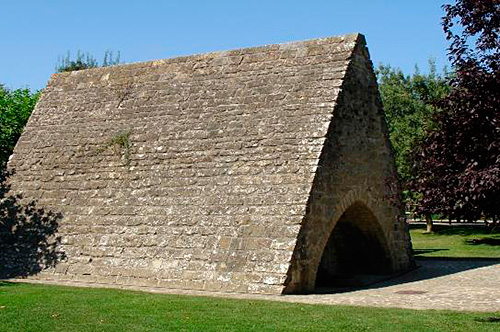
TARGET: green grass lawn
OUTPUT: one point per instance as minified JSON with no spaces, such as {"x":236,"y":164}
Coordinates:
{"x":25,"y":307}
{"x":455,"y":241}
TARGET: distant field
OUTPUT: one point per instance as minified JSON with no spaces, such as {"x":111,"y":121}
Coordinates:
{"x":25,"y":307}
{"x":455,"y":241}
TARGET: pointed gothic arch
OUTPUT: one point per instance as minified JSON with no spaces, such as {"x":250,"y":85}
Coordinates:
{"x":356,"y":246}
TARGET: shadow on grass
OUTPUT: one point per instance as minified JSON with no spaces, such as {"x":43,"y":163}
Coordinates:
{"x":488,"y":241}
{"x":417,"y":252}
{"x":458,"y":229}
{"x":485,"y":235}
{"x":28,"y":241}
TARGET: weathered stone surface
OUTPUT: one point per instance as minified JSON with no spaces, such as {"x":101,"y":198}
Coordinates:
{"x":240,"y":165}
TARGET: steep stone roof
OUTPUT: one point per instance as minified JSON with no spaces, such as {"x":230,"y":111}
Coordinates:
{"x":192,"y":172}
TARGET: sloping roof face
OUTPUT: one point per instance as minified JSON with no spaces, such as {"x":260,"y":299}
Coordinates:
{"x":192,"y":172}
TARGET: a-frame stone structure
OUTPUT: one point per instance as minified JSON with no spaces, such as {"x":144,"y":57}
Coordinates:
{"x":260,"y":170}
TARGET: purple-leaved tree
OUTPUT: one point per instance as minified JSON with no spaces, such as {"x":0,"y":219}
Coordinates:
{"x":457,"y":167}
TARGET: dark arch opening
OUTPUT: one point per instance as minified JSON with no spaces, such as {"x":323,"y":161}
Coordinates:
{"x":356,"y":252}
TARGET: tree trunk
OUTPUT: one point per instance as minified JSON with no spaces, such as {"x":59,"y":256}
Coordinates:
{"x":429,"y":222}
{"x":494,"y":224}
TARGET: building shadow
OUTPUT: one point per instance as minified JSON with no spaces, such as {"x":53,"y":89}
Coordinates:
{"x":28,"y":240}
{"x":427,"y":268}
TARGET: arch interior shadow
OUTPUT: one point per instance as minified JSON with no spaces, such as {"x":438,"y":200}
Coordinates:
{"x":356,"y":253}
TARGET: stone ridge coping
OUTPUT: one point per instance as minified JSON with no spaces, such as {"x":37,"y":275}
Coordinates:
{"x":292,"y":45}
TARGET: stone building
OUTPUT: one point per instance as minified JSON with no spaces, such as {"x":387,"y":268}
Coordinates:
{"x":259,"y":170}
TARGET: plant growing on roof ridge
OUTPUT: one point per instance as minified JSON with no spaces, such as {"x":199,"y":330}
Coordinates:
{"x":85,"y":61}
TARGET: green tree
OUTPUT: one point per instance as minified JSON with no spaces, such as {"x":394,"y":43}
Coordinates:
{"x":458,"y":165}
{"x":85,"y":61}
{"x":15,"y":109}
{"x":407,"y":101}
{"x":16,"y":105}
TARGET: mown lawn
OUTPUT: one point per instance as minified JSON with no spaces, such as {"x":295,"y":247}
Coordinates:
{"x":25,"y":307}
{"x":455,"y":241}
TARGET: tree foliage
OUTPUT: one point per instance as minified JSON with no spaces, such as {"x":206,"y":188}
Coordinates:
{"x":15,"y":109}
{"x":407,"y":101}
{"x":457,"y":167}
{"x":85,"y":61}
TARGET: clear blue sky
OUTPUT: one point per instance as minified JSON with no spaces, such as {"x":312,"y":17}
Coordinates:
{"x":35,"y":32}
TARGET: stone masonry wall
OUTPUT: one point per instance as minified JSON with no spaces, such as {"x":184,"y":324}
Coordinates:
{"x":356,"y":169}
{"x":192,"y":172}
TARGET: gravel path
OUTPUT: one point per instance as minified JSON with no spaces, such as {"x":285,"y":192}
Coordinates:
{"x":437,"y":284}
